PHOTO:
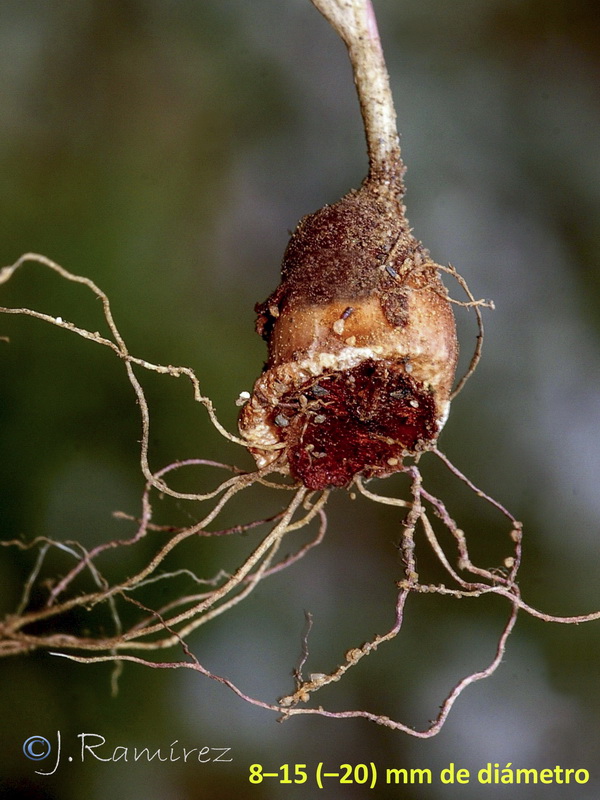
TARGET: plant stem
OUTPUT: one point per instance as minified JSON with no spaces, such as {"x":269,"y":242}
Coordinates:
{"x":354,"y":21}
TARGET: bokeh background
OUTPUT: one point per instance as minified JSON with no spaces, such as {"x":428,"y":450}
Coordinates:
{"x":165,"y":149}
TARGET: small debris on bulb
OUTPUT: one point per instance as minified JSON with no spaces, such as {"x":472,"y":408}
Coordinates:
{"x":338,"y":326}
{"x":242,"y":399}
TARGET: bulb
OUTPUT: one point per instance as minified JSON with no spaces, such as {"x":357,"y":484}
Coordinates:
{"x":362,"y":347}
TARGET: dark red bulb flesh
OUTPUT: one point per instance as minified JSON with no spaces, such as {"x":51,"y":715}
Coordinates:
{"x":361,"y":420}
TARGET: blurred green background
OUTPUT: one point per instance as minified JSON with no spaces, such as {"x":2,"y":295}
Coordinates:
{"x":165,"y":149}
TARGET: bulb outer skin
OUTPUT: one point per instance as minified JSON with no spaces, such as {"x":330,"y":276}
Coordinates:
{"x":362,"y":347}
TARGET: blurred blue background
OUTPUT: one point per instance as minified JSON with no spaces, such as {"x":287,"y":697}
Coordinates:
{"x":165,"y":149}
